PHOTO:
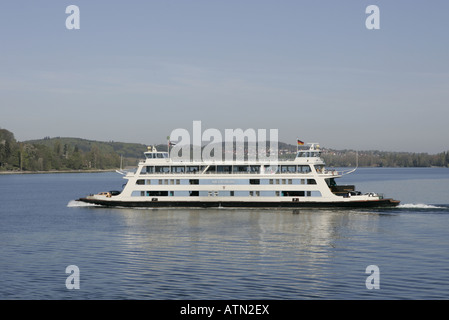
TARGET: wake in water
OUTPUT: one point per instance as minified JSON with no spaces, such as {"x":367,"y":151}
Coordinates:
{"x":424,"y":208}
{"x":420,"y":206}
{"x":74,"y":204}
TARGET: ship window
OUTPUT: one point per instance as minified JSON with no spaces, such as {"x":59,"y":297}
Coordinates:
{"x":140,"y":182}
{"x":157,"y":193}
{"x":177,"y":169}
{"x":162,"y":169}
{"x":311,"y":181}
{"x":171,"y":193}
{"x":257,"y":193}
{"x":232,"y":193}
{"x":283,"y":181}
{"x":254,"y":169}
{"x":194,"y":181}
{"x":254,"y":181}
{"x":211,"y":169}
{"x":161,"y":155}
{"x":178,"y":181}
{"x":251,"y":193}
{"x":192,"y":169}
{"x":304,"y":169}
{"x":289,"y":181}
{"x":240,"y":169}
{"x":148,"y":169}
{"x":289,"y":169}
{"x":194,"y":193}
{"x":277,"y":193}
{"x":224,"y":168}
{"x":293,"y":193}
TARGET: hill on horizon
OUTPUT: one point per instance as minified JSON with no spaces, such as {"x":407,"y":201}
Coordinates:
{"x":133,"y":152}
{"x":68,"y":153}
{"x":129,"y":150}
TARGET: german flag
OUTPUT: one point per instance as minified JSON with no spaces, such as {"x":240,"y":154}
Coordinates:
{"x":300,"y":143}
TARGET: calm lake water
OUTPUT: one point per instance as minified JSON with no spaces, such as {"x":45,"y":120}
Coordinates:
{"x":223,"y":253}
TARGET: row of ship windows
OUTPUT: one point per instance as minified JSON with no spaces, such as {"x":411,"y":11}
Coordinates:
{"x":226,"y":193}
{"x":212,"y":181}
{"x":226,"y":169}
{"x":308,"y":154}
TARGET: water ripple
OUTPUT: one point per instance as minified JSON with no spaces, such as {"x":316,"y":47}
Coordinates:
{"x":214,"y":254}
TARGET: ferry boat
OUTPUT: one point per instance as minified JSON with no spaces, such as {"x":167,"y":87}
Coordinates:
{"x":303,"y":182}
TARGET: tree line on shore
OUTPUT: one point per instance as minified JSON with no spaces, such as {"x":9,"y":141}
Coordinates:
{"x":57,"y":154}
{"x":349,"y":158}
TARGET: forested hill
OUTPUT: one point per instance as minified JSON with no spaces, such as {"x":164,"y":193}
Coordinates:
{"x":49,"y":154}
{"x":59,"y":153}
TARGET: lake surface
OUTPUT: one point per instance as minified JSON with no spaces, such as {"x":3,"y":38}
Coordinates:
{"x":223,"y":253}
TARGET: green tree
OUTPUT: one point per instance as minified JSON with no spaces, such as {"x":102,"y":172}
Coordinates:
{"x":57,"y":148}
{"x":76,"y":160}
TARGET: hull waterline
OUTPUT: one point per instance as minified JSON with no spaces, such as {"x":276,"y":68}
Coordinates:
{"x":243,"y":204}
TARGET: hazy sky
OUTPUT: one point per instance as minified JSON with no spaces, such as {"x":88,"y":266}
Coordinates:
{"x":136,"y":70}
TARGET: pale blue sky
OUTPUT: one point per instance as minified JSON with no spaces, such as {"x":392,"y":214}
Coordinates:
{"x":136,"y":70}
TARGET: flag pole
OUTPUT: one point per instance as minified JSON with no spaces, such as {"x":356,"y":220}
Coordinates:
{"x":168,"y":145}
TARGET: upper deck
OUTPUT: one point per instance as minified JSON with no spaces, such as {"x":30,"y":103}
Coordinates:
{"x":152,"y":154}
{"x":309,"y":153}
{"x":309,"y":150}
{"x":307,"y":160}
